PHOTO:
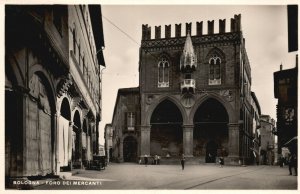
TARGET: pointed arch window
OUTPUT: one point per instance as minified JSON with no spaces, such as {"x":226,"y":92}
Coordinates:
{"x":163,"y":73}
{"x":214,"y":70}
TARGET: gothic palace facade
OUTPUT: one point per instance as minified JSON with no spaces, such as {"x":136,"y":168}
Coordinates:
{"x":194,"y":97}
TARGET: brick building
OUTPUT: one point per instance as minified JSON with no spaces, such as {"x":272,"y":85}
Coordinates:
{"x":194,"y":96}
{"x":267,"y":140}
{"x":286,"y":91}
{"x":53,"y":55}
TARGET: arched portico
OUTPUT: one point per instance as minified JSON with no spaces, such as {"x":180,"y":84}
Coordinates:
{"x":214,"y":122}
{"x":166,"y":130}
{"x":146,"y":120}
{"x":64,"y":135}
{"x":76,"y":140}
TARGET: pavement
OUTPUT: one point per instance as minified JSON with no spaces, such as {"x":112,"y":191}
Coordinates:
{"x":127,"y":176}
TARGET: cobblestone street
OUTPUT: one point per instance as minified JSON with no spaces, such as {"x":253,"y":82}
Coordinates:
{"x":132,"y":176}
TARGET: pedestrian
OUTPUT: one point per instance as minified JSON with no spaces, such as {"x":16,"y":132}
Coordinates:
{"x":281,"y":161}
{"x":295,"y":164}
{"x":221,"y":162}
{"x":158,"y":159}
{"x":140,"y":160}
{"x":290,"y":161}
{"x":155,"y":159}
{"x":182,"y":161}
{"x":146,"y":160}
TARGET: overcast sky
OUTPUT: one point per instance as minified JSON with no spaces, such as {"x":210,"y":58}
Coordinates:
{"x":264,"y":28}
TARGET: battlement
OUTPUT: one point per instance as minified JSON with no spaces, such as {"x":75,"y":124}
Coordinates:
{"x":235,"y":26}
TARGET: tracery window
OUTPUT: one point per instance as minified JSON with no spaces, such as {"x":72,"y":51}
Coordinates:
{"x":163,"y":73}
{"x":214,"y":70}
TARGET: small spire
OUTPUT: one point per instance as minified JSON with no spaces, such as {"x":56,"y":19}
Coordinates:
{"x":188,"y":57}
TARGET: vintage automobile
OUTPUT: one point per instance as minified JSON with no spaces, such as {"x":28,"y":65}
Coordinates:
{"x":98,"y":163}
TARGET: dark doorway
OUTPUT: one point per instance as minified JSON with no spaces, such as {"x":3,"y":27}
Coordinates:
{"x":130,"y":149}
{"x":166,"y":130}
{"x":76,"y":153}
{"x":211,"y":152}
{"x":210,"y":130}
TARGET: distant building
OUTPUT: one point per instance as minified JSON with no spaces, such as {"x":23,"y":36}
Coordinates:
{"x":108,"y":134}
{"x":256,"y":128}
{"x":286,"y":91}
{"x":53,"y":55}
{"x":194,"y":97}
{"x":267,"y":140}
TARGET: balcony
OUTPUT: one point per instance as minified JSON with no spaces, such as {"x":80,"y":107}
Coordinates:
{"x":188,"y":85}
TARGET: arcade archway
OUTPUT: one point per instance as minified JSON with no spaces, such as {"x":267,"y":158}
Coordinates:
{"x":76,"y":148}
{"x":210,"y":130}
{"x":64,"y":147}
{"x":166,"y":130}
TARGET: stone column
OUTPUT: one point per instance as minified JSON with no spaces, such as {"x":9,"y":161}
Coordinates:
{"x":80,"y":146}
{"x":145,"y":140}
{"x":70,"y":141}
{"x":233,"y":143}
{"x":56,"y":145}
{"x":121,"y":158}
{"x":188,"y":140}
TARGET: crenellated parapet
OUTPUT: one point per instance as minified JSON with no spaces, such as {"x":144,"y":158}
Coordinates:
{"x":235,"y":26}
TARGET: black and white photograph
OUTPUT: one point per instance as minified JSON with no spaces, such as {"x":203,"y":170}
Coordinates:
{"x":162,"y":95}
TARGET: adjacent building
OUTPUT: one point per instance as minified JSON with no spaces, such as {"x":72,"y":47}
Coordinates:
{"x":108,"y":134}
{"x":53,"y":55}
{"x":286,"y":91}
{"x":267,"y":140}
{"x":256,"y":128}
{"x":194,"y":97}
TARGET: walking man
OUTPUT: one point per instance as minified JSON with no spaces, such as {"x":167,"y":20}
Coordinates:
{"x":182,"y":161}
{"x":146,"y":160}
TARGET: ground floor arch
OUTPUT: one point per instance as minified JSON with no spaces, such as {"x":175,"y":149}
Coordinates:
{"x":76,"y":140}
{"x":210,"y":134}
{"x":166,"y":135}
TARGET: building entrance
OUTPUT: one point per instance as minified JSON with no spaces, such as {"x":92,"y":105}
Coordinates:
{"x":130,"y":149}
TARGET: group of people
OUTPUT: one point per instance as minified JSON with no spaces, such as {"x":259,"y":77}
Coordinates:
{"x":156,"y":160}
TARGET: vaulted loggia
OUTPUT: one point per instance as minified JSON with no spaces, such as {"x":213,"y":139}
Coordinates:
{"x":166,"y":130}
{"x":210,"y":131}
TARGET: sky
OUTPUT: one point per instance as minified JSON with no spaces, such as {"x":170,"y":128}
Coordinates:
{"x":264,"y":29}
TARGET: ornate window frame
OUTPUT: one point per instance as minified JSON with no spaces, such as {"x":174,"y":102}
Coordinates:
{"x":163,"y":74}
{"x":214,"y":70}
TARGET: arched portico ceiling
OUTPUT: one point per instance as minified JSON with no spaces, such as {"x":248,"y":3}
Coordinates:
{"x":76,"y":119}
{"x":211,"y":110}
{"x":227,"y":106}
{"x":158,"y":102}
{"x":166,"y":112}
{"x":65,"y":109}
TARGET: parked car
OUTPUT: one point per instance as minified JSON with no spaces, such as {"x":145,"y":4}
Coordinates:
{"x":98,"y":163}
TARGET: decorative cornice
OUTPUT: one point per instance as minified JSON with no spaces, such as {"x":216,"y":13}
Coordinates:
{"x":226,"y":38}
{"x":64,"y":85}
